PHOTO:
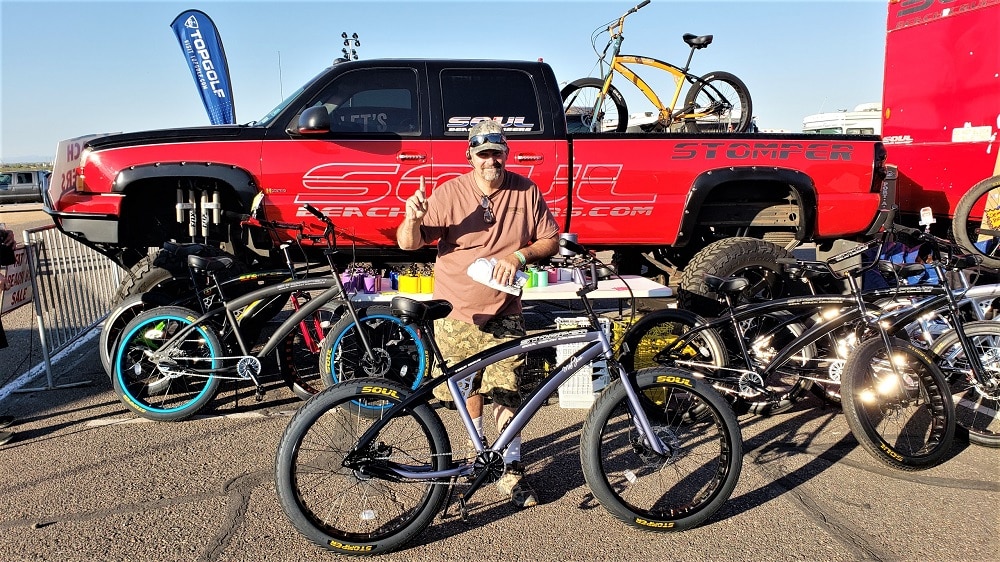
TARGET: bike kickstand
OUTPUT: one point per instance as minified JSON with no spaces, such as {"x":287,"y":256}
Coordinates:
{"x":462,"y":510}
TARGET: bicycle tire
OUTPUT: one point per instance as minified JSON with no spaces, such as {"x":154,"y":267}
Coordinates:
{"x":143,"y":387}
{"x":579,"y":99}
{"x":972,"y":209}
{"x":701,"y":434}
{"x":652,"y":333}
{"x":767,"y":335}
{"x":347,"y":510}
{"x":719,"y":89}
{"x":115,"y":322}
{"x":297,"y":364}
{"x":400,"y":353}
{"x":906,"y":422}
{"x":977,"y":409}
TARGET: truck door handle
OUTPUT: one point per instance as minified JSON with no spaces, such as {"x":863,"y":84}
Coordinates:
{"x":409,"y":156}
{"x":529,"y":157}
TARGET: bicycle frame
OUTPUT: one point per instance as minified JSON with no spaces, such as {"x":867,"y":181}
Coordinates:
{"x":459,"y":377}
{"x":460,"y":374}
{"x":837,"y":311}
{"x":332,"y":290}
{"x":667,"y":113}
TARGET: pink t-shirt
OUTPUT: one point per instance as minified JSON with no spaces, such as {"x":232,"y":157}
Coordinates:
{"x":455,"y":218}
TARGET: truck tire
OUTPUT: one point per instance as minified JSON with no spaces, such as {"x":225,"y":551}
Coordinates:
{"x":167,"y":273}
{"x":752,"y":258}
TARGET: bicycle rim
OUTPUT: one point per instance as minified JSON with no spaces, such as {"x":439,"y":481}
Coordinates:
{"x":766,"y":336}
{"x":399,"y":353}
{"x":719,"y":104}
{"x":903,"y":416}
{"x":152,"y":392}
{"x":647,"y":341}
{"x":351,"y":510}
{"x":977,"y":406}
{"x":579,"y":100}
{"x":687,"y":485}
{"x":299,"y":363}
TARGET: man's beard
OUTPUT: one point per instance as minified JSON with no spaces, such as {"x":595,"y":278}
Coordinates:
{"x":492,"y":174}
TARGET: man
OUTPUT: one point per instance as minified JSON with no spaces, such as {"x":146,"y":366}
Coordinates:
{"x":489,"y":212}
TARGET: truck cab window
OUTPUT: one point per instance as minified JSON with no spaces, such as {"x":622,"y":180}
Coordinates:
{"x":507,"y":95}
{"x":373,"y":101}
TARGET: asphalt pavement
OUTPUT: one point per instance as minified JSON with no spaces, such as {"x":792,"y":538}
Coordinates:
{"x":85,"y":480}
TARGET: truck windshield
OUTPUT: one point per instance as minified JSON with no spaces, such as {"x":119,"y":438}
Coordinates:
{"x":265,"y":120}
{"x":5,"y":180}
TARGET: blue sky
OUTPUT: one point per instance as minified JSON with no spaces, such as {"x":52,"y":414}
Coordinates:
{"x":72,"y":68}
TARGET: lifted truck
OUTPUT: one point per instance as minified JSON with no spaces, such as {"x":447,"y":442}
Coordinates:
{"x":356,"y":141}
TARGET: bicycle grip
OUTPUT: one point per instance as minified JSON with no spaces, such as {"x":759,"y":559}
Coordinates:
{"x":640,"y":6}
{"x":314,"y":211}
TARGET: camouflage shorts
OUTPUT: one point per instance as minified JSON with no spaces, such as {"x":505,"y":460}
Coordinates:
{"x":459,"y":340}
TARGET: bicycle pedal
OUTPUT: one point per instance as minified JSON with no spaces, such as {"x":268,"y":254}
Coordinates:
{"x":259,"y":395}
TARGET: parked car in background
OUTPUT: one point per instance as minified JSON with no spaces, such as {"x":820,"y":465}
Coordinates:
{"x":23,"y":186}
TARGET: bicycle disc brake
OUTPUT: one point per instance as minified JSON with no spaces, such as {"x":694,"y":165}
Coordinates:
{"x":671,"y":446}
{"x":378,"y":365}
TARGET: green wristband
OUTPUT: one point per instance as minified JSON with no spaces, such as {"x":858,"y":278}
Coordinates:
{"x":520,"y":257}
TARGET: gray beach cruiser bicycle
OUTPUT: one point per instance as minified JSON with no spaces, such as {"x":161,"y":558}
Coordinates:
{"x":660,"y":449}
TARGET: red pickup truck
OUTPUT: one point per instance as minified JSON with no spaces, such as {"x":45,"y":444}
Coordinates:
{"x":357,"y":139}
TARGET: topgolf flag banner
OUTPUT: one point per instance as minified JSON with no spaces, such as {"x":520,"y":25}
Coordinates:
{"x":202,"y":47}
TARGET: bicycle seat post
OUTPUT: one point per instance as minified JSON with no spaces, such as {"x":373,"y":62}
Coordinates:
{"x":285,"y":249}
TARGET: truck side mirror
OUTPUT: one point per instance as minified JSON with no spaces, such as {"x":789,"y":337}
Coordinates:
{"x":314,"y":121}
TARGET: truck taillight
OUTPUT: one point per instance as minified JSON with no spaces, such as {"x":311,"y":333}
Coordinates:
{"x":80,"y":180}
{"x":879,"y":170}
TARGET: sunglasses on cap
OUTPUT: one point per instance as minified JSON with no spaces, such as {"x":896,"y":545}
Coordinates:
{"x":479,"y":140}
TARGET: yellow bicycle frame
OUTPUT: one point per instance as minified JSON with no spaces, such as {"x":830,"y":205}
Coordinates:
{"x":667,"y":115}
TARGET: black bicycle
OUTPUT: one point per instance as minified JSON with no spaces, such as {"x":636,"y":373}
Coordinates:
{"x":297,"y":356}
{"x":775,"y":351}
{"x":660,"y":449}
{"x":170,"y":360}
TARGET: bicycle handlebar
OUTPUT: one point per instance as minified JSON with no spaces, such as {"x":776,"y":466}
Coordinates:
{"x":958,"y":259}
{"x":621,"y":20}
{"x":639,"y":7}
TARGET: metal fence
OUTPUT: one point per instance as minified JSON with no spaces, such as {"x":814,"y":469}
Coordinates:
{"x":73,"y":287}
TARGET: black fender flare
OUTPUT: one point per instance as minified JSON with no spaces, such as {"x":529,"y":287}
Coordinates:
{"x":706,"y":182}
{"x":242,"y":181}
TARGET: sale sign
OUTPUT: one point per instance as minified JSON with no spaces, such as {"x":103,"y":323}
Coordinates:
{"x":15,"y":282}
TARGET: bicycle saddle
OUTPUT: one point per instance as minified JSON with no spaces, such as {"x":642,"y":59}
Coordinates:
{"x":209,"y":263}
{"x":410,"y":311}
{"x":697,"y":41}
{"x":900,"y":269}
{"x":730,"y":285}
